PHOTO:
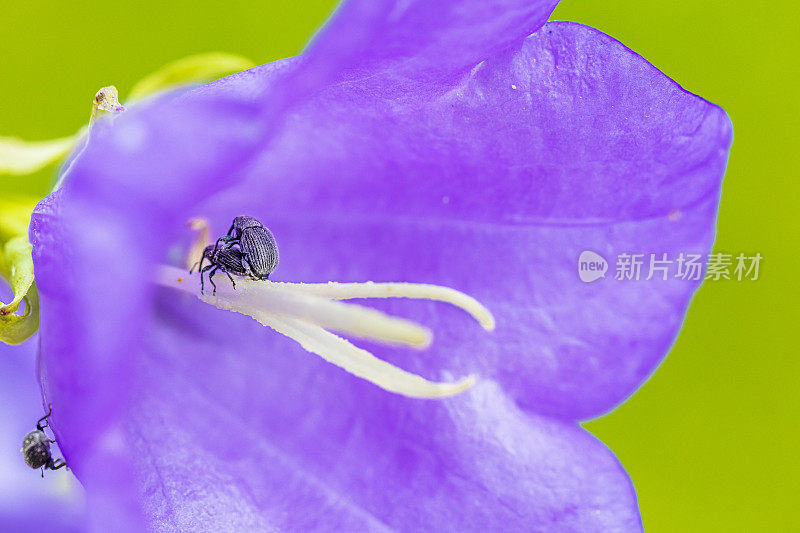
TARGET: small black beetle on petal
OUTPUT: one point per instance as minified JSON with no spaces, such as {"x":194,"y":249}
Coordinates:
{"x":36,"y":447}
{"x":258,"y":246}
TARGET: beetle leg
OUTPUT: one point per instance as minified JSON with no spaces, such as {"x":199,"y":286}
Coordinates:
{"x":209,"y":267}
{"x":39,"y":425}
{"x":229,"y":276}
{"x":225,"y":239}
{"x":249,"y":268}
{"x":211,"y":279}
{"x":55,"y":465}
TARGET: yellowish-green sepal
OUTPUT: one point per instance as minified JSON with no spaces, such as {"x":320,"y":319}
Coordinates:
{"x":25,"y":157}
{"x":15,"y":329}
{"x":193,"y":69}
{"x":16,"y":266}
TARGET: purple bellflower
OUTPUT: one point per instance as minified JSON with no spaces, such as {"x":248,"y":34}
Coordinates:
{"x":464,"y":144}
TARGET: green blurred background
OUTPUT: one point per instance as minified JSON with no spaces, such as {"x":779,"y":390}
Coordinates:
{"x":711,"y":440}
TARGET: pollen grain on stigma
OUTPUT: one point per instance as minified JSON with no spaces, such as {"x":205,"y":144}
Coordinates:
{"x":306,"y":312}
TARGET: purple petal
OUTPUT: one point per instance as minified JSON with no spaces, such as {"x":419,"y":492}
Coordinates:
{"x":419,"y":38}
{"x":495,"y":185}
{"x":263,"y":435}
{"x":404,"y":39}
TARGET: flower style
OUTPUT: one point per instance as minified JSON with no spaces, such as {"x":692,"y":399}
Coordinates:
{"x":438,"y":143}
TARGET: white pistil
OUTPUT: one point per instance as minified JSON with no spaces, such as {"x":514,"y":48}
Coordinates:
{"x":354,"y":320}
{"x":360,"y":362}
{"x":417,"y":291}
{"x":304,"y":312}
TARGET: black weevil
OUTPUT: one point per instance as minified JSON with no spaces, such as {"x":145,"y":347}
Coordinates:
{"x":36,"y":447}
{"x":257,"y":244}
